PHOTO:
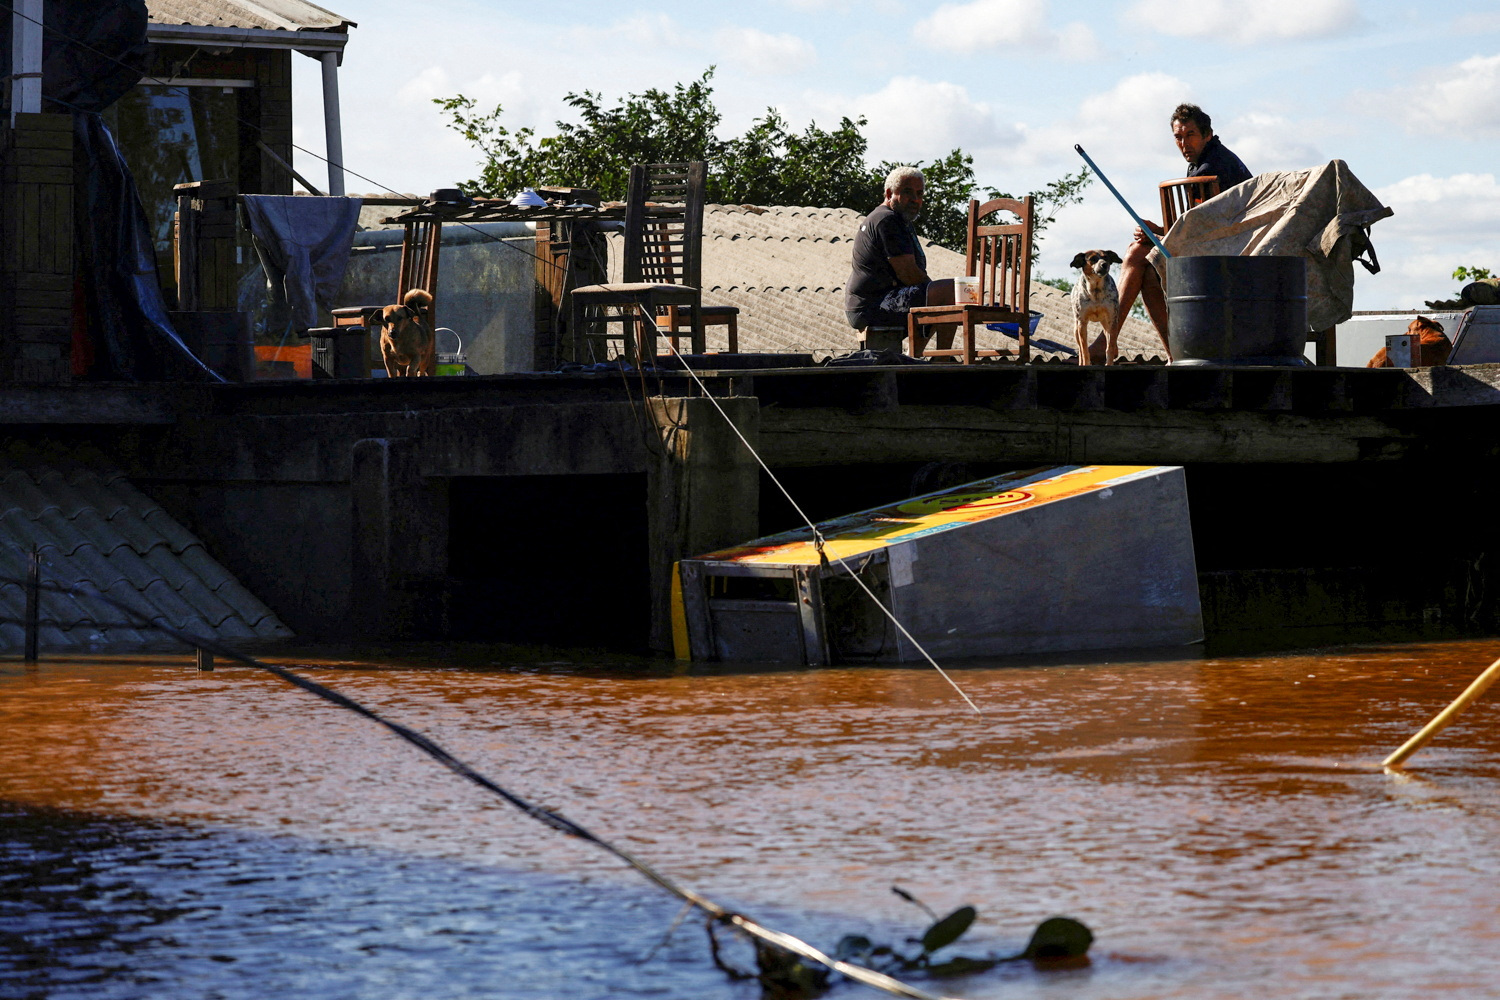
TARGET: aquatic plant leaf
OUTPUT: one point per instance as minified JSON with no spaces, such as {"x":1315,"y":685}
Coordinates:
{"x":1058,"y":937}
{"x":961,"y":966}
{"x":949,"y":929}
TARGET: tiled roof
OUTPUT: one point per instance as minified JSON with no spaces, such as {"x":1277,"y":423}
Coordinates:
{"x":274,"y":15}
{"x":94,"y":528}
{"x":785,"y":269}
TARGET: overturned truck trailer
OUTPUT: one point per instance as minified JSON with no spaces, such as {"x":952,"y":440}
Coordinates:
{"x":1063,"y":558}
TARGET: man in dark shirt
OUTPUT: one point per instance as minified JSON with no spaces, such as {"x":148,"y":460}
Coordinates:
{"x":1193,"y":132}
{"x":890,"y":266}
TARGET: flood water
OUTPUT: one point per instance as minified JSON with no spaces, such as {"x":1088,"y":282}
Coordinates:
{"x":1221,"y":824}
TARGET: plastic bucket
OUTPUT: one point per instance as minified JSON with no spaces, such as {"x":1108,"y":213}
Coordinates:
{"x":453,"y":362}
{"x":1237,"y":310}
{"x":966,"y":291}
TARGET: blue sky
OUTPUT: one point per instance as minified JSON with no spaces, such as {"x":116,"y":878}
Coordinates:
{"x":1408,"y":94}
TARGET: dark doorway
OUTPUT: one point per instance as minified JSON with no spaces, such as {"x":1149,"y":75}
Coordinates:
{"x":554,"y":559}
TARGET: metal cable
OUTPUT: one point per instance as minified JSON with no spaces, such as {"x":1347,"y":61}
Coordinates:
{"x":819,"y":542}
{"x":542,"y":815}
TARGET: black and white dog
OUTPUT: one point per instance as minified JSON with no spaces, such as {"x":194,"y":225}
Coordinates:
{"x":1096,"y":300}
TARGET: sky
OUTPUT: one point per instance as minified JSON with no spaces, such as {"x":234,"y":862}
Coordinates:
{"x":1407,"y":93}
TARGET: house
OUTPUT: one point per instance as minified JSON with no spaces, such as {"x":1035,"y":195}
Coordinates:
{"x":216,"y":100}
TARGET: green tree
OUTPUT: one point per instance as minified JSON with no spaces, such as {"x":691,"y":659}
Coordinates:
{"x":770,"y":164}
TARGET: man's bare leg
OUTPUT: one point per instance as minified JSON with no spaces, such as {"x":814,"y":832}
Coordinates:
{"x":1156,"y":306}
{"x":1139,"y":279}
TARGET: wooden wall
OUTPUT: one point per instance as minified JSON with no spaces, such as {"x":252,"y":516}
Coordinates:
{"x":265,"y":108}
{"x":36,"y":249}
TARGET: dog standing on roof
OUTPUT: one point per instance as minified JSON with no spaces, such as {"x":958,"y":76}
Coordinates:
{"x":406,"y":340}
{"x":1095,"y":300}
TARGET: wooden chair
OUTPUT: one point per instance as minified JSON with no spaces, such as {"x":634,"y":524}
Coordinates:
{"x":725,"y":316}
{"x":1182,"y":193}
{"x":1000,"y":257}
{"x":662,"y":264}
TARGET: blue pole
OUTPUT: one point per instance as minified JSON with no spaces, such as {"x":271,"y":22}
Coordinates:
{"x":1138,"y":221}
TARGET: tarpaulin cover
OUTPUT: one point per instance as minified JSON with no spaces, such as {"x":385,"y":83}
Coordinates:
{"x":303,"y":244}
{"x":132,"y":338}
{"x":83,"y":50}
{"x":1322,"y":213}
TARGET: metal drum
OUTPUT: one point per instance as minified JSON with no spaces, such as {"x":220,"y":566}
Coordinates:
{"x":1237,"y":310}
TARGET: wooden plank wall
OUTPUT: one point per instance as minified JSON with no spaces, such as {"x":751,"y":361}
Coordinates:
{"x":36,"y":249}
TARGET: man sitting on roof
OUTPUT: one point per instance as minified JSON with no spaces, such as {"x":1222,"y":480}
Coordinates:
{"x":1193,"y":132}
{"x":890,"y":266}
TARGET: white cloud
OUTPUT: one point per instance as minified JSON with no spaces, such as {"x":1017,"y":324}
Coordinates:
{"x":1076,"y":42}
{"x":1243,"y":23}
{"x":915,"y":119}
{"x":993,"y":26}
{"x":763,"y":54}
{"x":1454,"y":101}
{"x":1440,"y":223}
{"x":1269,"y":142}
{"x":985,"y":24}
{"x":1476,"y":24}
{"x":1439,"y":210}
{"x":1123,"y":128}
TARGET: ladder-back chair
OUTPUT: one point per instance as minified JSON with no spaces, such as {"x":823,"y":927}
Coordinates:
{"x":662,"y":265}
{"x":1000,"y":257}
{"x":1182,"y":193}
{"x":420,"y":247}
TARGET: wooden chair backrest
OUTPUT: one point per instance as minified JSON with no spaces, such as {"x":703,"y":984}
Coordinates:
{"x":1000,"y":255}
{"x":664,"y":223}
{"x":1182,"y":193}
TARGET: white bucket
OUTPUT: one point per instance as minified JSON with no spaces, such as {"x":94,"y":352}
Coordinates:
{"x":966,"y":291}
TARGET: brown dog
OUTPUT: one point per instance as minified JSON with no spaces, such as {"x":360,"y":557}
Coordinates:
{"x":406,"y":341}
{"x":1433,"y":345}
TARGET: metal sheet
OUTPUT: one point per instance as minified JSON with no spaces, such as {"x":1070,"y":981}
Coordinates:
{"x":1064,"y":558}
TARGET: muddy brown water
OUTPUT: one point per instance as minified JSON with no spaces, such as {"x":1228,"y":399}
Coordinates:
{"x":1221,"y":824}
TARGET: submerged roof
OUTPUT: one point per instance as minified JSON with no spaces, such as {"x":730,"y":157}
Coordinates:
{"x":272,"y":15}
{"x":92,"y":527}
{"x":785,"y":268}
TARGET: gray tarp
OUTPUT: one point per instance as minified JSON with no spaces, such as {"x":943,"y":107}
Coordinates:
{"x":303,"y":244}
{"x":1322,"y":213}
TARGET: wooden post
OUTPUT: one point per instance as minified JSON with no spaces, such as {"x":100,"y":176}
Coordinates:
{"x":205,"y":251}
{"x":36,"y":249}
{"x":33,"y":602}
{"x":204,"y":658}
{"x":703,"y":491}
{"x":1471,"y":694}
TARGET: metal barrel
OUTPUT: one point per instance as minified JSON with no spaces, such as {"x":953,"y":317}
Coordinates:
{"x":1237,"y":310}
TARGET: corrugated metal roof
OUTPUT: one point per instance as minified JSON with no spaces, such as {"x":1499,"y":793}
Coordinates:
{"x":785,"y":269}
{"x":93,"y":527}
{"x":273,"y":15}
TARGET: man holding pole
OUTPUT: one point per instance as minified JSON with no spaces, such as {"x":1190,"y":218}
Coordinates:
{"x":1193,"y":132}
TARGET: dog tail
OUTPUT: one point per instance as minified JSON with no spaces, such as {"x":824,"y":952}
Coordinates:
{"x":417,"y":300}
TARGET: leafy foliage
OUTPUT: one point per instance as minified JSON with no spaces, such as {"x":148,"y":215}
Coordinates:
{"x":770,"y":164}
{"x":1462,"y":273}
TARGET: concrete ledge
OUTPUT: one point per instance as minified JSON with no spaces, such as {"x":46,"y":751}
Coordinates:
{"x":91,"y":404}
